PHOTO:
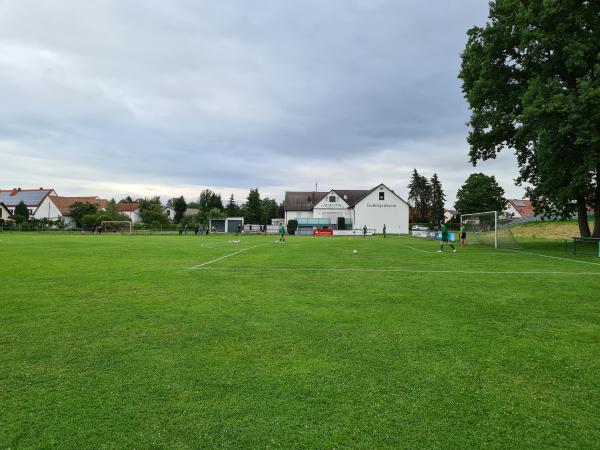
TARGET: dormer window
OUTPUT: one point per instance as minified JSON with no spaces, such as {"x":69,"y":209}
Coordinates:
{"x":332,"y":199}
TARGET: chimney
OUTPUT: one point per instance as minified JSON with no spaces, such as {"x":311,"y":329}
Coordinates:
{"x":41,"y":188}
{"x":18,"y":189}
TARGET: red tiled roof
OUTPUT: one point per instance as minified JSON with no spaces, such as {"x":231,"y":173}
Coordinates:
{"x":523,"y":206}
{"x":64,"y":203}
{"x":128,"y":207}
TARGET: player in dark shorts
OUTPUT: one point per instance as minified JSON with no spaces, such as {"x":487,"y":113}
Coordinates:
{"x":463,"y":235}
{"x":445,"y":239}
{"x":281,"y":234}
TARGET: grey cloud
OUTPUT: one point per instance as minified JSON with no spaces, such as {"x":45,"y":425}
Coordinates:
{"x":192,"y":94}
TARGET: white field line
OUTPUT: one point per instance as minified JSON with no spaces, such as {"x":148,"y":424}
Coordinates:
{"x":417,"y":249}
{"x":551,"y":257}
{"x":226,"y":256}
{"x":350,"y":269}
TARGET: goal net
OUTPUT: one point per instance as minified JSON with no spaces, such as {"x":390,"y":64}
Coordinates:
{"x":488,"y":228}
{"x":114,"y":226}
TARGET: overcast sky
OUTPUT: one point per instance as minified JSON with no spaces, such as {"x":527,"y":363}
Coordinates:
{"x":155,"y":97}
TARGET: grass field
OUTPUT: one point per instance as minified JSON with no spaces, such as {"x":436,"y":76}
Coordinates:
{"x":118,"y":342}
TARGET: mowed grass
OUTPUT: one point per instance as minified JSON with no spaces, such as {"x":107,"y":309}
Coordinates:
{"x":115,"y":342}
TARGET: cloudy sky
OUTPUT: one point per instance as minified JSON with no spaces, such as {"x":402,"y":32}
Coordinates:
{"x":154,"y":97}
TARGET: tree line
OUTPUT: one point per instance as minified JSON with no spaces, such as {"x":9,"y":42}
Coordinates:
{"x":479,"y":193}
{"x":255,"y":210}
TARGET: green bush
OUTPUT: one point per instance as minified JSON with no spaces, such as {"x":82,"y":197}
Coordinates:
{"x":292,"y":226}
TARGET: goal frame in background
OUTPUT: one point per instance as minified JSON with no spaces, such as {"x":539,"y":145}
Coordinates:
{"x":481,"y":213}
{"x":129,"y":222}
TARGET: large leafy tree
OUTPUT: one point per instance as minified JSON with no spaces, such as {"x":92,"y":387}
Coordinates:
{"x":438,"y":199}
{"x":253,"y":209}
{"x":419,"y":193}
{"x":180,"y":206}
{"x":152,"y":212}
{"x":531,"y":77}
{"x":480,"y":193}
{"x":78,"y":210}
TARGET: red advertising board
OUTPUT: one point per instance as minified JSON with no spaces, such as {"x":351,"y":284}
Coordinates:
{"x":323,"y":232}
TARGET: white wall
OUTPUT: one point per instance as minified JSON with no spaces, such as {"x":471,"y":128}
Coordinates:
{"x":511,"y":211}
{"x":47,"y":209}
{"x":134,"y":216}
{"x":374,"y":213}
{"x":289,"y":215}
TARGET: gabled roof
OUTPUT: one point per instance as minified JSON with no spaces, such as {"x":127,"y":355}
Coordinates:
{"x":350,"y":196}
{"x":303,"y":201}
{"x":31,"y":197}
{"x":523,"y":206}
{"x":128,"y":207}
{"x":64,"y":203}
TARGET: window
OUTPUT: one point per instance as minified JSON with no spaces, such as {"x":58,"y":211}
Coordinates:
{"x":382,"y":196}
{"x":30,"y":211}
{"x":332,"y":199}
{"x":168,"y":213}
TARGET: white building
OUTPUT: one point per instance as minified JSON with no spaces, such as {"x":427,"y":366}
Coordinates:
{"x":37,"y":201}
{"x":374,"y":208}
{"x":63,"y":205}
{"x":517,"y":208}
{"x":131,"y":210}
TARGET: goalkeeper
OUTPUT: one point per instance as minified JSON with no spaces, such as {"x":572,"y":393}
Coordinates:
{"x":445,"y":239}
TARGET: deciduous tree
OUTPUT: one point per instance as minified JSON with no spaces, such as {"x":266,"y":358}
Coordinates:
{"x":531,"y":77}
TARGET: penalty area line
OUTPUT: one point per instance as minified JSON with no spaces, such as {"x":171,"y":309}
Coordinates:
{"x":199,"y":266}
{"x":350,"y":269}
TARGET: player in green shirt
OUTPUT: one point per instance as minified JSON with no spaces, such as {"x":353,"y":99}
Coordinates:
{"x":384,"y":230}
{"x":281,"y":234}
{"x":445,"y":239}
{"x":365,"y":231}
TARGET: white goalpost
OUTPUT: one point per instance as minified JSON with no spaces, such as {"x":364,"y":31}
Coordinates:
{"x":117,"y":225}
{"x":488,"y":228}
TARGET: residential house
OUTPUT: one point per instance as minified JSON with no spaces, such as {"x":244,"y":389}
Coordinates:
{"x":131,"y":210}
{"x":37,"y":201}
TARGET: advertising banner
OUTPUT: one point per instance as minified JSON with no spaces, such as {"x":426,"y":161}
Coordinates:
{"x":323,"y":232}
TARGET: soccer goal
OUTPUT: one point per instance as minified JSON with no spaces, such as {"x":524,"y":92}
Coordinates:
{"x":488,"y":228}
{"x":113,"y":226}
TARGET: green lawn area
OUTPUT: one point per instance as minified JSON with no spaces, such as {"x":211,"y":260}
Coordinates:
{"x":115,"y":342}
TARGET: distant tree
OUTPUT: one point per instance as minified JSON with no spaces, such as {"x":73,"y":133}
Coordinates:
{"x":215,"y":202}
{"x":253,"y":207}
{"x":216,"y":213}
{"x":80,"y":209}
{"x":89,"y":220}
{"x":152,"y":212}
{"x":21,"y":213}
{"x":127,"y":199}
{"x":480,"y":193}
{"x":420,"y":195}
{"x":281,"y":211}
{"x":438,"y":200}
{"x":180,"y":206}
{"x":531,"y":77}
{"x":232,"y":209}
{"x":269,"y":210}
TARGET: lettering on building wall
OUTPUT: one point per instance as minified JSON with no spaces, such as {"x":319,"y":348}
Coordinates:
{"x":330,"y":205}
{"x":381,"y":205}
